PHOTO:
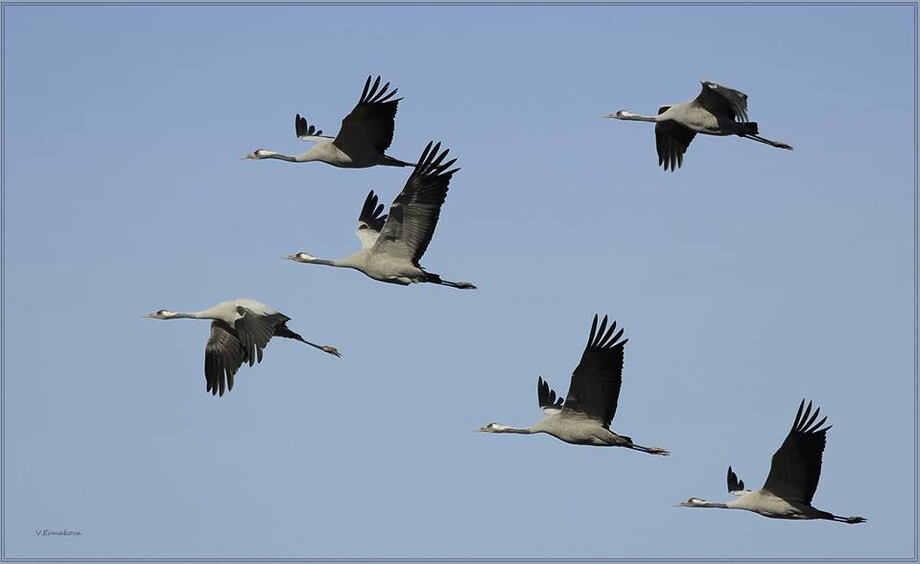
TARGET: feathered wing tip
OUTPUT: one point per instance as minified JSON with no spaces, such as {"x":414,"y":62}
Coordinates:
{"x":370,"y":95}
{"x":546,"y":397}
{"x":803,"y":424}
{"x":735,"y":98}
{"x":301,"y":128}
{"x":429,"y":164}
{"x":600,"y":340}
{"x":734,"y":484}
{"x":370,"y":212}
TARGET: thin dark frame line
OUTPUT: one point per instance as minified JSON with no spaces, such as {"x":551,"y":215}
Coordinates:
{"x":2,"y":286}
{"x":916,"y":288}
{"x":450,"y":559}
{"x":477,"y":3}
{"x":456,"y":3}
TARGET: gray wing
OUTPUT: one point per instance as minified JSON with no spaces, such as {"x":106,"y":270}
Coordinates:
{"x":595,"y":386}
{"x":370,"y":221}
{"x":547,"y":399}
{"x":797,"y":464}
{"x":223,"y":356}
{"x":414,"y":214}
{"x":369,"y":126}
{"x":255,"y":331}
{"x":723,"y":101}
{"x":671,"y":142}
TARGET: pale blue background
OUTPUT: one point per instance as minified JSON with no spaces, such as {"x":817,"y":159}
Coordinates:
{"x":747,"y":280}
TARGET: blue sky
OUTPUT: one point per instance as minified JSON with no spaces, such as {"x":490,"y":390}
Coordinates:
{"x":749,"y":279}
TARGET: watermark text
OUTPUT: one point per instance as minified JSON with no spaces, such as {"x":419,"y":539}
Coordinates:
{"x":57,"y":533}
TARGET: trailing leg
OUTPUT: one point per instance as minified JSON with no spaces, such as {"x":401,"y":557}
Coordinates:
{"x":436,"y":279}
{"x":777,"y":144}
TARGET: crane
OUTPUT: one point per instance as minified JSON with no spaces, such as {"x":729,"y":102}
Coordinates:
{"x":584,"y":417}
{"x":365,"y":135}
{"x":717,"y":110}
{"x":240,"y":330}
{"x":393,"y":244}
{"x":793,"y":477}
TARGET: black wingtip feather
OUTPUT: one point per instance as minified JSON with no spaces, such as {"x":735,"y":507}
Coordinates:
{"x":431,"y":163}
{"x":371,"y":212}
{"x":600,"y":331}
{"x":593,"y":330}
{"x":373,"y":94}
{"x":546,"y":396}
{"x":805,"y":420}
{"x":813,"y":417}
{"x":367,"y":84}
{"x":604,"y":337}
{"x":798,"y":414}
{"x":734,"y":484}
{"x":301,"y":127}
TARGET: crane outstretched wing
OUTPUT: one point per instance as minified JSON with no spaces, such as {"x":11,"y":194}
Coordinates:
{"x":722,"y":100}
{"x":596,"y":381}
{"x":796,"y":465}
{"x":414,"y":213}
{"x":306,"y":132}
{"x":223,"y":356}
{"x":735,"y":486}
{"x":369,"y":126}
{"x":671,"y":141}
{"x":255,"y":331}
{"x":547,"y":399}
{"x":370,"y":221}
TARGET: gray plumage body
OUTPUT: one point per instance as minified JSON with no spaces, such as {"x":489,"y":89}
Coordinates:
{"x":393,"y":244}
{"x":240,"y":330}
{"x":382,"y":267}
{"x":793,"y":479}
{"x":362,"y":141}
{"x":578,"y":429}
{"x":584,"y":417}
{"x":717,"y":110}
{"x":769,"y":505}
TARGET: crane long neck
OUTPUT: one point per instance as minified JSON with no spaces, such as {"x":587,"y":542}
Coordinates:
{"x":191,"y":315}
{"x":638,"y":117}
{"x":209,"y":313}
{"x":356,"y":261}
{"x":704,"y":503}
{"x":323,"y":150}
{"x":281,"y":157}
{"x":517,"y":430}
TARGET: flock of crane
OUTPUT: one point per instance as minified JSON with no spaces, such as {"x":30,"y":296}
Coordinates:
{"x":393,"y":244}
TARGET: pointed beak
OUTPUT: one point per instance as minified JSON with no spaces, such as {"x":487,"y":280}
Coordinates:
{"x":288,"y":257}
{"x":249,"y":156}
